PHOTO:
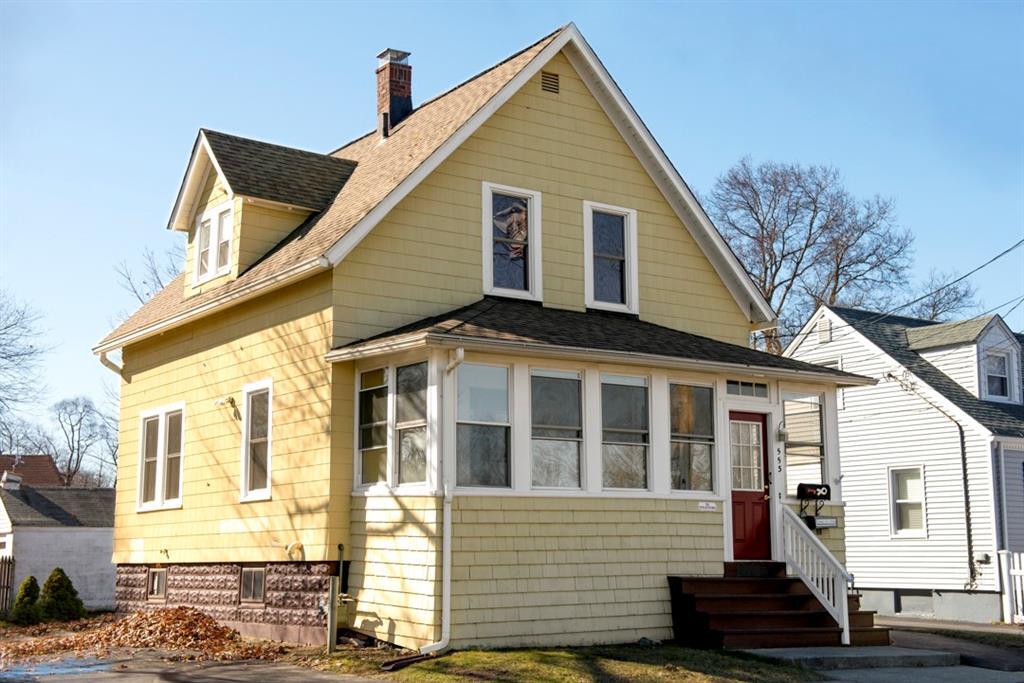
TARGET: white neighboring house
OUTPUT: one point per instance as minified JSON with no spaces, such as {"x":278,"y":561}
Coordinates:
{"x":932,"y":458}
{"x":44,"y":527}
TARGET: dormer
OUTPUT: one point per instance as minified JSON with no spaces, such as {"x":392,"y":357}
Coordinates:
{"x":241,"y":197}
{"x":981,"y":354}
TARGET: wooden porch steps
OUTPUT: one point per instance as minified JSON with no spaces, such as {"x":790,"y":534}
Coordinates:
{"x":756,"y":605}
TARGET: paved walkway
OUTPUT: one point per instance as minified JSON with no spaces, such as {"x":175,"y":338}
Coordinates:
{"x":971,"y":653}
{"x":912,"y":622}
{"x":930,"y":674}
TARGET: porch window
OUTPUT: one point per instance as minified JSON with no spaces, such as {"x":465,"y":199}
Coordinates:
{"x":557,"y":437}
{"x":161,"y":452}
{"x":907,"y":486}
{"x":626,"y":432}
{"x":805,"y":444}
{"x":997,"y":375}
{"x":373,"y":426}
{"x":411,"y":423}
{"x":511,"y":242}
{"x":609,"y":242}
{"x":256,"y":431}
{"x":752,"y":389}
{"x":693,"y":436}
{"x":483,"y":428}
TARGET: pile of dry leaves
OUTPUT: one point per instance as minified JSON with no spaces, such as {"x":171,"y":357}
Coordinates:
{"x":189,"y":632}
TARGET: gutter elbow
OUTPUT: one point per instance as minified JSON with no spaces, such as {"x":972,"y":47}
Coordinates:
{"x":111,"y":365}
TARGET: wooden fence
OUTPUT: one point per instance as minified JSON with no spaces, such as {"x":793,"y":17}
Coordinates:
{"x":7,"y":586}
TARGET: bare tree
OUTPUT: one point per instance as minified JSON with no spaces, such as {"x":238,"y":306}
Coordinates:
{"x":805,"y":240}
{"x":154,"y":273}
{"x":21,"y":437}
{"x":79,"y":432}
{"x":942,"y":301}
{"x":21,"y":350}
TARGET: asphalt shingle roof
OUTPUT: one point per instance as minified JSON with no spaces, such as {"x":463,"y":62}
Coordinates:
{"x":946,"y":334}
{"x":890,"y":333}
{"x":59,"y":506}
{"x":281,"y":174}
{"x":35,"y":470}
{"x":510,"y":320}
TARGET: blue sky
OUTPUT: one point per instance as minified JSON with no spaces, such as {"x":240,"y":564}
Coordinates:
{"x":100,"y":103}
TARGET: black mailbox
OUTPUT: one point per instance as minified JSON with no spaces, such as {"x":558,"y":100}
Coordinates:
{"x":813,"y":492}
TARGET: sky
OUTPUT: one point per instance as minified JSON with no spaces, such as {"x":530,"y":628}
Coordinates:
{"x":100,"y":104}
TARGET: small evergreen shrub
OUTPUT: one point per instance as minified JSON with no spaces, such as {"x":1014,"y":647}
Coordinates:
{"x":26,"y":608}
{"x":59,"y":600}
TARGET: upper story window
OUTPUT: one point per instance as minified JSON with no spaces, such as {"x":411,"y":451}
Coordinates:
{"x":804,"y":417}
{"x":626,"y":432}
{"x":163,"y":434}
{"x":257,"y":421}
{"x":511,"y":242}
{"x":556,"y":409}
{"x":214,"y":229}
{"x":610,"y":256}
{"x":693,"y":437}
{"x":996,"y":369}
{"x":483,"y":426}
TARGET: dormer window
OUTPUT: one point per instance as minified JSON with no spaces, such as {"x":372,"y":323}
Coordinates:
{"x":214,"y":229}
{"x":996,"y":368}
{"x":511,"y":254}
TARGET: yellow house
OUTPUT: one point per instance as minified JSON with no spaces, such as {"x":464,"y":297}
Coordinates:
{"x":489,"y":365}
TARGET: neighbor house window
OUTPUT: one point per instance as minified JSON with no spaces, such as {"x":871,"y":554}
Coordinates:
{"x":907,"y":486}
{"x":411,"y":422}
{"x":693,"y":436}
{"x":161,"y":457}
{"x":257,"y":424}
{"x":805,"y":443}
{"x":610,"y":255}
{"x":512,"y":265}
{"x":156,"y":584}
{"x":556,"y":409}
{"x":625,"y":432}
{"x":996,"y":367}
{"x":252,"y":581}
{"x":753,"y":389}
{"x":214,"y":229}
{"x":483,"y":429}
{"x":373,"y":426}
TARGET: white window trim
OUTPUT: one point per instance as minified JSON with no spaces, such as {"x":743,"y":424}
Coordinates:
{"x":638,"y":380}
{"x":559,"y":374}
{"x":159,"y":502}
{"x":907,"y":533}
{"x":535,"y":275}
{"x":215,"y":270}
{"x":377,"y":486}
{"x":715,"y":476}
{"x":1011,"y":388}
{"x":632,"y":279}
{"x":512,"y":425}
{"x":245,"y":495}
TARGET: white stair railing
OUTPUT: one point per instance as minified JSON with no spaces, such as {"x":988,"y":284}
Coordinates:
{"x":1011,"y":567}
{"x":824,"y":575}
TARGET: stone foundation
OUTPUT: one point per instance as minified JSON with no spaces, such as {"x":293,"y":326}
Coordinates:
{"x":294,"y":608}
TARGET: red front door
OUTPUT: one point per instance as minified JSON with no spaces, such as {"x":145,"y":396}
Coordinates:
{"x":751,"y":526}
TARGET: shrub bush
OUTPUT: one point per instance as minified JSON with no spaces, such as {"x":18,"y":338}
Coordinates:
{"x":26,"y":608}
{"x":59,"y":600}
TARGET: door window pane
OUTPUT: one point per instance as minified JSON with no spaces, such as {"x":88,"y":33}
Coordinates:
{"x":510,"y":232}
{"x":556,"y":409}
{"x":745,"y":446}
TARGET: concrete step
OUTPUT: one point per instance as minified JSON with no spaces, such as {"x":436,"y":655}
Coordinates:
{"x":882,"y":657}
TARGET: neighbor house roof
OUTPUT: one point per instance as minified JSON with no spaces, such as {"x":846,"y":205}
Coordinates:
{"x":515,"y":324}
{"x":947,"y":334}
{"x":387,"y":170}
{"x":892,"y":334}
{"x":35,"y":470}
{"x":59,"y":506}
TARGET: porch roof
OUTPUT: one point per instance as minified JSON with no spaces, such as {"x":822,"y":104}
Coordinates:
{"x":514,"y":326}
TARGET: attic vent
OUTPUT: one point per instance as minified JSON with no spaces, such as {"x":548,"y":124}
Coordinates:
{"x":549,"y":82}
{"x":824,"y":330}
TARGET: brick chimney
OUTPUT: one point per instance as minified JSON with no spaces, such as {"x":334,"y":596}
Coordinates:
{"x":394,"y":89}
{"x":10,"y":481}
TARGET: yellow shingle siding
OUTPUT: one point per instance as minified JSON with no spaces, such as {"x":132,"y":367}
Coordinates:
{"x":582,"y":570}
{"x":261,"y":227}
{"x":284,"y":338}
{"x":424,"y":258}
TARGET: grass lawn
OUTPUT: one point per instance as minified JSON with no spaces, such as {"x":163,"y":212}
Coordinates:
{"x":1008,"y":640}
{"x":565,"y":665}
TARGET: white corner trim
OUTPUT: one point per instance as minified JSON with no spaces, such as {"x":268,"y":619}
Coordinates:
{"x":535,"y":276}
{"x":632,"y":264}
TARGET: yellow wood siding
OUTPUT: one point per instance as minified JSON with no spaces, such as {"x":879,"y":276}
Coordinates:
{"x":261,"y":227}
{"x":282,"y":337}
{"x":425,"y":257}
{"x":530,"y":571}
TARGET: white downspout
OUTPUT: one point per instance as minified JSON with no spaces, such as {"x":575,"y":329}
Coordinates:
{"x":456,"y":358}
{"x":111,"y":365}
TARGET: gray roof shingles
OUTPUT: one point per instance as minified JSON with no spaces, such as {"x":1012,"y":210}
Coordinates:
{"x":890,"y":333}
{"x":947,"y":334}
{"x":59,"y":506}
{"x":498,"y":319}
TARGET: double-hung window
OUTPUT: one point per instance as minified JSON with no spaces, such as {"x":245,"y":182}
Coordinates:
{"x":411,"y":422}
{"x":610,"y":255}
{"x":625,"y":432}
{"x":907,"y":491}
{"x":373,"y":426}
{"x":483,"y":427}
{"x":693,"y":437}
{"x":511,"y":241}
{"x":805,"y":441}
{"x":556,"y":409}
{"x":996,"y":368}
{"x":214,"y":229}
{"x":257,"y":424}
{"x":163,"y":433}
